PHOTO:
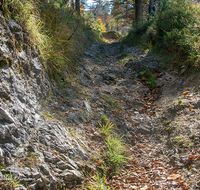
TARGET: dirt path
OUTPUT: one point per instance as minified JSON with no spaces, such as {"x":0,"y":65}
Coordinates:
{"x":156,"y":111}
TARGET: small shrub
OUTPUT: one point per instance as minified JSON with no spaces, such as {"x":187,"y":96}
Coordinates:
{"x":104,"y":119}
{"x":149,"y":77}
{"x":113,"y":156}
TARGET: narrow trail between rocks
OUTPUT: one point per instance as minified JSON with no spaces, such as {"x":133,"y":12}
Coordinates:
{"x":50,"y":136}
{"x":158,"y":117}
{"x":115,"y":87}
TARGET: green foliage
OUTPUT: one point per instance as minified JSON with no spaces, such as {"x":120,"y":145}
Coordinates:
{"x":104,"y":119}
{"x":94,"y":22}
{"x":136,"y":33}
{"x":152,"y":81}
{"x":175,"y":28}
{"x":122,"y":15}
{"x":115,"y":156}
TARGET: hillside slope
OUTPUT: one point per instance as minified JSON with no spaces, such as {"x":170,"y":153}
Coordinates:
{"x":49,"y":134}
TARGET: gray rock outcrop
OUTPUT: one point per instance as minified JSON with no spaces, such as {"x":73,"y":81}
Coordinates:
{"x":36,"y":151}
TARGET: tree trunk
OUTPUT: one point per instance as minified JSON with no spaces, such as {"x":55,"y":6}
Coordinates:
{"x":151,"y":8}
{"x":78,"y":7}
{"x":138,"y":10}
{"x":72,"y":4}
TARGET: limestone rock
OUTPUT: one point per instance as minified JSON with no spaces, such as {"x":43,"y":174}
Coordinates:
{"x":5,"y":116}
{"x":72,"y":176}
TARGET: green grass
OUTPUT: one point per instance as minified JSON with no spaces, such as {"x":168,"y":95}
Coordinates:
{"x":124,"y":60}
{"x":106,"y":128}
{"x":59,"y":34}
{"x":11,"y":182}
{"x":116,"y":154}
{"x":113,"y":156}
{"x":151,"y":81}
{"x":149,"y":77}
{"x":104,"y":118}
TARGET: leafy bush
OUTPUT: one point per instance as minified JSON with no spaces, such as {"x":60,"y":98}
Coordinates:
{"x":175,"y":28}
{"x":95,"y":23}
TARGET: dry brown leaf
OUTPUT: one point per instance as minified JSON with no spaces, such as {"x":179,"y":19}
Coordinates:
{"x":181,"y":182}
{"x":173,"y":177}
{"x":117,"y":185}
{"x":92,"y":172}
{"x":145,"y":188}
{"x":191,"y":156}
{"x":194,"y":150}
{"x":135,"y":163}
{"x":150,"y":187}
{"x":150,"y":113}
{"x":144,"y":180}
{"x":184,"y":187}
{"x":197,"y":158}
{"x":134,"y":168}
{"x":186,"y":92}
{"x":114,"y":112}
{"x":99,"y":163}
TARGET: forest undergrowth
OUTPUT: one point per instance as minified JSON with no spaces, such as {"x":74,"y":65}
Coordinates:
{"x":173,"y":30}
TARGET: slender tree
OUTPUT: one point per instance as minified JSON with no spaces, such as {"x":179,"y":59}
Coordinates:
{"x":72,"y":5}
{"x":138,"y":10}
{"x":78,"y":7}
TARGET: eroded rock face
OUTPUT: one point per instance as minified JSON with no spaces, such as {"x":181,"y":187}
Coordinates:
{"x":36,"y":151}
